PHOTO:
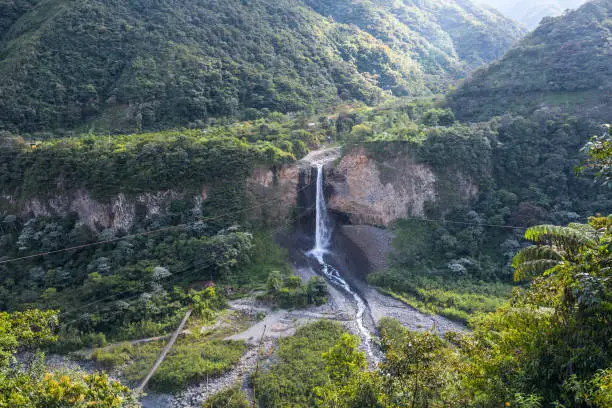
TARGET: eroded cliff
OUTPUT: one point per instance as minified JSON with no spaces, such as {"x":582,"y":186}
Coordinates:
{"x":378,"y":192}
{"x":271,"y":193}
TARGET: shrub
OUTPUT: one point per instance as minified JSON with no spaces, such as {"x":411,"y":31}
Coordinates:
{"x":232,"y":397}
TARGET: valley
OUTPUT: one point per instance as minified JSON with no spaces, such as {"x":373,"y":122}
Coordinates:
{"x":305,"y":203}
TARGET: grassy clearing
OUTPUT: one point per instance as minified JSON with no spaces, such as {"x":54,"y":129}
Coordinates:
{"x":194,"y":357}
{"x":456,"y":299}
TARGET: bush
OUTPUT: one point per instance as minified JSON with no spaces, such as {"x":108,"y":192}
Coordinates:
{"x":232,"y":397}
{"x":290,"y":291}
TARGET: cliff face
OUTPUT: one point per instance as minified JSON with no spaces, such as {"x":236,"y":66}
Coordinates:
{"x":378,"y":193}
{"x":272,"y":192}
{"x":363,"y":189}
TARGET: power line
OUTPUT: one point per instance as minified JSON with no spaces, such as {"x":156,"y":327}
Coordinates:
{"x":425,"y":219}
{"x":110,"y":240}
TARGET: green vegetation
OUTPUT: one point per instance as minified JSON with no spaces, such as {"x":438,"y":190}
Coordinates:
{"x":599,"y":157}
{"x":298,"y":368}
{"x":457,"y":299}
{"x":232,"y":397}
{"x":28,"y":383}
{"x":564,"y":62}
{"x":129,"y":66}
{"x":447,"y":39}
{"x":143,"y":163}
{"x":189,"y":361}
{"x":457,"y":262}
{"x":198,"y":354}
{"x":549,"y":346}
{"x":138,"y":284}
{"x":131,"y":288}
{"x":290,"y":291}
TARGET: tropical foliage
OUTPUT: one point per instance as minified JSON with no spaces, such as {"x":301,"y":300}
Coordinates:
{"x":30,"y":384}
{"x":548,"y":346}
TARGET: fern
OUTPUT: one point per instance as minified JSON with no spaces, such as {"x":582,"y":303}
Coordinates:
{"x":567,"y":239}
{"x":534,"y":260}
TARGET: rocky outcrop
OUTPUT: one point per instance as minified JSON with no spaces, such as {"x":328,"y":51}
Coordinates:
{"x":364,"y":190}
{"x":119,"y":212}
{"x":375,"y":244}
{"x":272,"y":193}
{"x":378,"y":193}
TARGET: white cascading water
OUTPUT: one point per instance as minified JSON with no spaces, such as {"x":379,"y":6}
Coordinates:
{"x":322,"y":230}
{"x":322,"y":240}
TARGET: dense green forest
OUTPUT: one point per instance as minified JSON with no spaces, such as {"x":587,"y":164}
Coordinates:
{"x":132,"y":65}
{"x":564,"y":63}
{"x":109,"y":101}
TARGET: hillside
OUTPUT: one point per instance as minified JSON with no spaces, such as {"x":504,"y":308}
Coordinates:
{"x":531,"y":12}
{"x":448,"y":38}
{"x":126,"y":66}
{"x":566,"y":62}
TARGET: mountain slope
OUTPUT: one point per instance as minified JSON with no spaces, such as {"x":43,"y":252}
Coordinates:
{"x":531,"y":12}
{"x":566,"y":62}
{"x":146,"y":64}
{"x":448,"y":38}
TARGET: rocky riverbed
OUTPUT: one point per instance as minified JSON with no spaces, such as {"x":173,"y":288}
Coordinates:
{"x":263,"y":335}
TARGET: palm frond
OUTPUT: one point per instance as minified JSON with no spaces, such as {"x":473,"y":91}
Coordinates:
{"x":585,"y":229}
{"x":534,"y":261}
{"x":567,"y":239}
{"x":532,"y":269}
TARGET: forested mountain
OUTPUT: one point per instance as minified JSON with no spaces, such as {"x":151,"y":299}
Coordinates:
{"x":531,"y":12}
{"x":566,"y":62}
{"x":130,"y":65}
{"x":448,"y":38}
{"x":308,"y":222}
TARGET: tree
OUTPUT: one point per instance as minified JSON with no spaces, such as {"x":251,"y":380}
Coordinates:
{"x":554,"y":246}
{"x":550,"y":342}
{"x":599,"y":156}
{"x":31,"y":384}
{"x":411,"y":371}
{"x":343,"y":360}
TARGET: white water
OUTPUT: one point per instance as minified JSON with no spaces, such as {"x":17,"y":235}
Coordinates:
{"x":322,"y":239}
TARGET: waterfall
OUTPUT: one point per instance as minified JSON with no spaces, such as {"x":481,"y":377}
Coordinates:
{"x":322,"y":230}
{"x":321,"y":248}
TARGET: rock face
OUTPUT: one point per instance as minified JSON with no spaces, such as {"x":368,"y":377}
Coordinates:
{"x":375,"y":244}
{"x":376,"y":193}
{"x":365,"y":191}
{"x":120,"y":212}
{"x":272,"y":194}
